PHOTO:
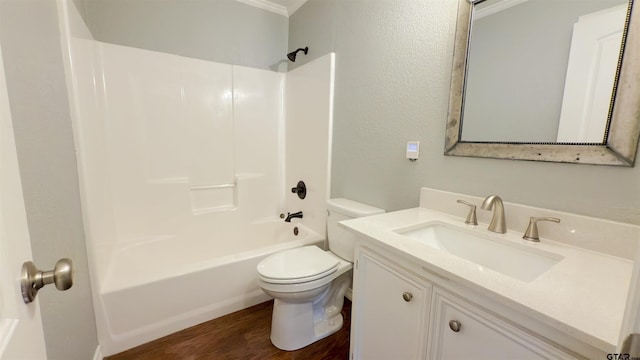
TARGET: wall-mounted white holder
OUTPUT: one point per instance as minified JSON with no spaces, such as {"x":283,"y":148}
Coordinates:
{"x":413,"y":150}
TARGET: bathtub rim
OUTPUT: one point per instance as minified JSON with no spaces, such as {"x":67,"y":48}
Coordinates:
{"x":109,"y":285}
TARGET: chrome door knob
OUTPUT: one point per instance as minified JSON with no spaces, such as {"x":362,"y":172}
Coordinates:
{"x":32,"y":279}
{"x":407,"y":296}
{"x":455,"y":325}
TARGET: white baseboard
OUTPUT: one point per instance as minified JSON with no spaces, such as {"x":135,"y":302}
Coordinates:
{"x":349,"y":294}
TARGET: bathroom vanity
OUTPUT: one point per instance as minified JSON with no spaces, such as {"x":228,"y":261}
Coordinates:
{"x":428,"y":286}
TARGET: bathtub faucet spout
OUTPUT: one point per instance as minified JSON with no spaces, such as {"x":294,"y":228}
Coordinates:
{"x":294,"y":215}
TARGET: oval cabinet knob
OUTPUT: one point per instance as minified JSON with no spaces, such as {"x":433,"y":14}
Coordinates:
{"x":455,"y":325}
{"x":407,"y":296}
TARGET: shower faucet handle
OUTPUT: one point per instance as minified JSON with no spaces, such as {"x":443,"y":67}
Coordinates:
{"x":300,"y":189}
{"x":471,"y":216}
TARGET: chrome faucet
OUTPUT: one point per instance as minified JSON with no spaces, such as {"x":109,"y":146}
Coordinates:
{"x":498,"y":223}
{"x":294,"y":215}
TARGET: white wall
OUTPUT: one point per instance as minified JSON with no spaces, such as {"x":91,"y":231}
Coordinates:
{"x":159,"y":146}
{"x":393,"y":68}
{"x":173,"y":143}
{"x":309,"y":98}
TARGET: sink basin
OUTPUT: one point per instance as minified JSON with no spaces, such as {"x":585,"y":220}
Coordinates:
{"x":487,"y":251}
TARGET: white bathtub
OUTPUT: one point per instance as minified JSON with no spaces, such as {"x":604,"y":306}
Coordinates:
{"x":158,"y":286}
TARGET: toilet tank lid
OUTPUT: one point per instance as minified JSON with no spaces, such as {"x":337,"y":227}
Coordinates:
{"x":352,"y":208}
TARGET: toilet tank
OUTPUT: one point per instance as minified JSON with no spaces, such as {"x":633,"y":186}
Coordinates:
{"x":341,"y":241}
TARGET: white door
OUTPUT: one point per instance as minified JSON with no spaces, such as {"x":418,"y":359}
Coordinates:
{"x":591,"y":70}
{"x":21,"y":335}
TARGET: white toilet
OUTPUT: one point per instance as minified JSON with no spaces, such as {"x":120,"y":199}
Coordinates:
{"x":309,"y":284}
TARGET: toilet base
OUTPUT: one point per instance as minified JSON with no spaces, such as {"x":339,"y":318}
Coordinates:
{"x":295,"y":325}
{"x":289,"y":336}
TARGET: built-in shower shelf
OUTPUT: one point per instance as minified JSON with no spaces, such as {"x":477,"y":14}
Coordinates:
{"x":208,"y":198}
{"x":211,"y":186}
{"x":213,"y":210}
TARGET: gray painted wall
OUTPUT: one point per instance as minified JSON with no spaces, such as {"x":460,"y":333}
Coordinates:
{"x":225,"y":31}
{"x":30,"y":40}
{"x":393,"y":66}
{"x":517,"y":69}
{"x":314,"y":23}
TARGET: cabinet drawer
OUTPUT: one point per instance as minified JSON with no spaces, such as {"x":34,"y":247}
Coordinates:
{"x":460,"y":330}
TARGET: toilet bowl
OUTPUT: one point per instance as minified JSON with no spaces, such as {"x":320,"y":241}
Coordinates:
{"x":307,"y":306}
{"x":308,"y":284}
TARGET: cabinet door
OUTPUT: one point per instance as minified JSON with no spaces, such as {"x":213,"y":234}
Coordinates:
{"x":390,"y":312}
{"x":462,"y":331}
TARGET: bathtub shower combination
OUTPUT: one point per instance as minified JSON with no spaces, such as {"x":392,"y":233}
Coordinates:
{"x":183,"y":167}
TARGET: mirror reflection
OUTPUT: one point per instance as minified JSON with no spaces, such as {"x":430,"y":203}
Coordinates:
{"x":542,"y":71}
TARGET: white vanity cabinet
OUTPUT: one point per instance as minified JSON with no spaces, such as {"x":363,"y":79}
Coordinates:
{"x":390,"y":315}
{"x":434,"y":323}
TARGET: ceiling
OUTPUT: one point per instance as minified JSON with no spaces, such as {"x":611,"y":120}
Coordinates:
{"x":282,"y":7}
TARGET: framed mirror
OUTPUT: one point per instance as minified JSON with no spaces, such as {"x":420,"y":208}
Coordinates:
{"x":548,"y":87}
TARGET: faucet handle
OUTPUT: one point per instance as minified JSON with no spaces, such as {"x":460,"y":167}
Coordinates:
{"x":532,"y":230}
{"x":471,"y":216}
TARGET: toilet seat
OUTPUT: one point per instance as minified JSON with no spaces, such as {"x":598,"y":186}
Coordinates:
{"x":297,"y":265}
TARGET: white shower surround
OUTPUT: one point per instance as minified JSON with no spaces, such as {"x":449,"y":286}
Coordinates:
{"x":184,"y":167}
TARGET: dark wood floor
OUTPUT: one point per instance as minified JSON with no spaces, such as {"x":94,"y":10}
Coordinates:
{"x":242,"y":335}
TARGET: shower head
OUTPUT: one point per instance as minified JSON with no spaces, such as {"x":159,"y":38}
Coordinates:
{"x":292,"y":55}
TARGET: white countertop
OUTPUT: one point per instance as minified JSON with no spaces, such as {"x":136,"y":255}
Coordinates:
{"x":583,"y":295}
